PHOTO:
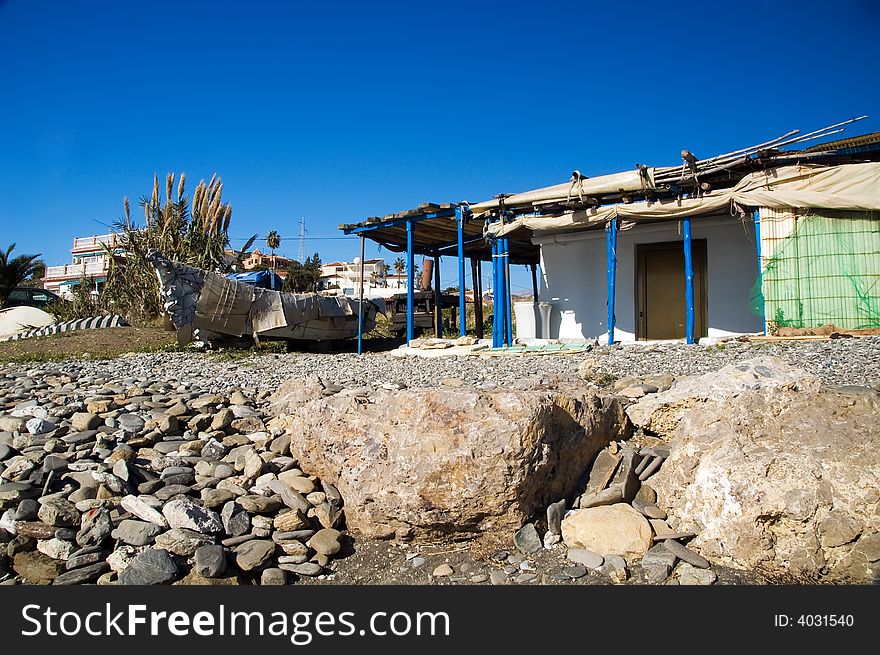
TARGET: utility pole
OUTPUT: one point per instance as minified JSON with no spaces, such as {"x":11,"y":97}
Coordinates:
{"x":302,"y":239}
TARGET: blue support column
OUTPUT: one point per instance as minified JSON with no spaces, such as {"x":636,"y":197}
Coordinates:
{"x":361,"y":299}
{"x":508,"y":305}
{"x":410,"y":282}
{"x":611,"y":258}
{"x":757,"y":216}
{"x":495,"y":315}
{"x":688,"y":281}
{"x":462,"y":301}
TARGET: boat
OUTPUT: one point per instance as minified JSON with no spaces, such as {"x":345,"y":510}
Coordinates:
{"x":211,"y":309}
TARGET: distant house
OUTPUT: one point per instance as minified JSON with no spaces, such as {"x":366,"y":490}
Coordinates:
{"x":256,"y":258}
{"x":341,"y":278}
{"x":89,"y":258}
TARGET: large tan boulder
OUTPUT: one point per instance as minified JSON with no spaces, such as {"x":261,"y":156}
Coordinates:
{"x":780,"y":478}
{"x":427,"y":463}
{"x":611,"y":529}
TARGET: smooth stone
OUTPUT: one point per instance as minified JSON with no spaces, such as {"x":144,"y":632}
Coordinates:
{"x":646,"y":494}
{"x":142,"y":509}
{"x":498,"y":578}
{"x":588,"y":558}
{"x":309,"y":569}
{"x":273,"y":576}
{"x":151,"y":567}
{"x":76,"y":560}
{"x":254,"y":553}
{"x":210,"y":561}
{"x":691,"y":575}
{"x":555,"y":514}
{"x":685,"y":554}
{"x":326,"y":542}
{"x":575,"y":571}
{"x":82,"y":575}
{"x":527,"y":539}
{"x":443,"y":571}
{"x":136,"y":533}
{"x":27,"y":510}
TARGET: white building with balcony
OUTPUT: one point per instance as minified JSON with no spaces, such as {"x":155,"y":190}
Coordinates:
{"x":341,"y":278}
{"x":89,"y":258}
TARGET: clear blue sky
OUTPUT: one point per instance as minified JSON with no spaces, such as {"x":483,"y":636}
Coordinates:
{"x":337,"y":111}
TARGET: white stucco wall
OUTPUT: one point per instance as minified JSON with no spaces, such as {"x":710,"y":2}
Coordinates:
{"x":574,"y":278}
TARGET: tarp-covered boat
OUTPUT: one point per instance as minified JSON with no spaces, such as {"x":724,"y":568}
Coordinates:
{"x":209,"y":308}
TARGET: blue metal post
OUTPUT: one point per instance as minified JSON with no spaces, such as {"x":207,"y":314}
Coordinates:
{"x":361,"y":299}
{"x":410,"y":282}
{"x":508,"y":305}
{"x":611,"y":257}
{"x":496,"y":295}
{"x":757,"y":216}
{"x":688,"y":281}
{"x":462,"y":301}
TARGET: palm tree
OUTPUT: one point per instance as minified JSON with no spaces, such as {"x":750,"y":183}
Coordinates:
{"x":399,"y":268}
{"x":374,"y":279}
{"x":15,"y":271}
{"x":273,"y":240}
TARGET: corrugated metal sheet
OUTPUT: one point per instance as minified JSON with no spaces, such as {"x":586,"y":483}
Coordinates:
{"x":820,"y":267}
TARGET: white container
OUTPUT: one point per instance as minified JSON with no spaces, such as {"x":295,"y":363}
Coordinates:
{"x":544,"y":309}
{"x":525,"y":320}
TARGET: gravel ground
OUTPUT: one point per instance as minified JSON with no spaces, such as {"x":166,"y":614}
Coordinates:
{"x":840,"y":361}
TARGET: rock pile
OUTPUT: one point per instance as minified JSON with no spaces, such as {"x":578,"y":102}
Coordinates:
{"x":137,"y":482}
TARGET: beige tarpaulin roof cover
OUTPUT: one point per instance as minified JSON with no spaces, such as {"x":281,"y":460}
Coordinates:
{"x":849,"y":186}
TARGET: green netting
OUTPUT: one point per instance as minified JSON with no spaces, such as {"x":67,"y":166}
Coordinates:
{"x":826,"y":271}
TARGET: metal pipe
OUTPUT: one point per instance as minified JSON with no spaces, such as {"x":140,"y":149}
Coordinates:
{"x":757,"y":216}
{"x":508,"y":299}
{"x":361,"y":300}
{"x":688,"y":281}
{"x":496,"y":302}
{"x":611,"y":258}
{"x":462,"y":307}
{"x":410,"y":283}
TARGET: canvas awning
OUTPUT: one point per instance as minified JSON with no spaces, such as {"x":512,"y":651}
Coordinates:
{"x":847,"y":187}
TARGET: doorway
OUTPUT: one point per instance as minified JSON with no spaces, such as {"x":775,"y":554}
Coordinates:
{"x":660,"y":282}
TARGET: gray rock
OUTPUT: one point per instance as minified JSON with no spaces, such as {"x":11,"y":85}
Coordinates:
{"x":210,"y":561}
{"x":293,"y":499}
{"x":555,"y":513}
{"x":236,"y":521}
{"x":181,"y":541}
{"x":27,"y":510}
{"x":332,"y":493}
{"x":80,"y":559}
{"x":82,"y":421}
{"x":151,"y":567}
{"x":142,"y":509}
{"x":588,"y":558}
{"x":685,"y":554}
{"x":326,"y":542}
{"x":646,"y":494}
{"x":690,"y":575}
{"x":130,"y":422}
{"x":527,"y":539}
{"x":273,"y":577}
{"x":5,"y":451}
{"x":498,"y":577}
{"x":260,"y":504}
{"x":185,"y":513}
{"x":655,"y":573}
{"x":59,"y":512}
{"x":38,"y":426}
{"x":95,"y":528}
{"x":308,"y":569}
{"x":418,"y":562}
{"x":575,"y":571}
{"x":136,"y":533}
{"x":82,"y":575}
{"x":253,"y":554}
{"x":649,"y":509}
{"x":659,"y":555}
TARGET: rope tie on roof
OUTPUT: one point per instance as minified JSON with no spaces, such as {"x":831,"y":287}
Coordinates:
{"x":577,"y":180}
